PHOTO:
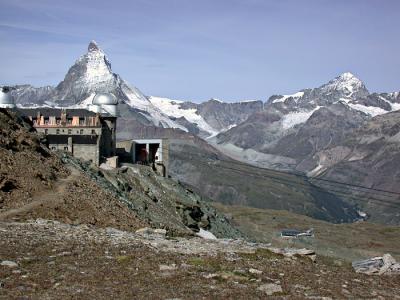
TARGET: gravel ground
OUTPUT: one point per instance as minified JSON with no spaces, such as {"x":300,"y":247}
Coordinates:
{"x":61,"y":261}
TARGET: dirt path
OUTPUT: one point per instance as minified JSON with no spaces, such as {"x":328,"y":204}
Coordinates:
{"x":52,"y":196}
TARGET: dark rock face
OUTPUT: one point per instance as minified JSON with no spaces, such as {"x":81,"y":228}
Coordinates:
{"x":258,"y":130}
{"x":326,"y":128}
{"x":191,"y":127}
{"x":373,"y":160}
{"x":221,"y":115}
{"x":29,"y":95}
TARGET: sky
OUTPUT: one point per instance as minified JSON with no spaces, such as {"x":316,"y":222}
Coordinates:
{"x":195,"y":50}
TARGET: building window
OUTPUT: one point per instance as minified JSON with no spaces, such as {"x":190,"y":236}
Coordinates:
{"x":46,"y":131}
{"x":53,"y":148}
{"x":81,"y":131}
{"x":58,"y":131}
{"x":66,"y":148}
{"x":93,"y":131}
{"x":69,"y":131}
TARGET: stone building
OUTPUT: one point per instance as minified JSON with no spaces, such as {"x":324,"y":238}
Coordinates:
{"x":153,"y":152}
{"x":86,"y":134}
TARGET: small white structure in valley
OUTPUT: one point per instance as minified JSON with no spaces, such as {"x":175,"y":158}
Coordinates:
{"x":6,"y":99}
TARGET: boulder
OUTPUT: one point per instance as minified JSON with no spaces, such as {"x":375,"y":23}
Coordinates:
{"x":151,"y":231}
{"x":9,"y":263}
{"x":290,"y":252}
{"x":270,"y":288}
{"x":385,"y":265}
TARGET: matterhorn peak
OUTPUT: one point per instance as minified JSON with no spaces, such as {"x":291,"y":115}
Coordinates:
{"x":93,"y":46}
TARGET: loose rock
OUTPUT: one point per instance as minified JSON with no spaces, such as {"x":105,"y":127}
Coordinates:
{"x":385,"y":265}
{"x":9,"y":263}
{"x":270,"y":288}
{"x":255,"y":271}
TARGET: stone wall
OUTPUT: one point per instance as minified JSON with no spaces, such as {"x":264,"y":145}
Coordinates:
{"x":86,"y":152}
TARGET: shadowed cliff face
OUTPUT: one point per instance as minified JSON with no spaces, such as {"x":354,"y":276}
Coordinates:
{"x":373,"y":160}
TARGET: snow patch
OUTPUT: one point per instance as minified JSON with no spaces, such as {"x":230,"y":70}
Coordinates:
{"x":317,"y":170}
{"x":173,"y":108}
{"x":293,"y":118}
{"x":295,"y":96}
{"x":362,"y":214}
{"x":369,"y":110}
{"x":98,"y":67}
{"x":206,"y":235}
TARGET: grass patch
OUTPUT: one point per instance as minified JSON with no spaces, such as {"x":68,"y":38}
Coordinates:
{"x":334,"y":263}
{"x":122,"y":259}
{"x":212,"y":264}
{"x":231,"y":276}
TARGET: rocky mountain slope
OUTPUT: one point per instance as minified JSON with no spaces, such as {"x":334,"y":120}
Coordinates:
{"x":368,"y":156}
{"x":36,"y":183}
{"x":207,"y":118}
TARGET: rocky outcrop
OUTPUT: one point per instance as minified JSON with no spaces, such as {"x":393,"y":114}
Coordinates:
{"x":385,"y":265}
{"x":27,"y":95}
{"x":35,"y":182}
{"x":371,"y":158}
{"x":222,"y":115}
{"x":327,"y":128}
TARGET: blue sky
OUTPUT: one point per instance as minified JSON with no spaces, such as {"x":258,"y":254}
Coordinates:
{"x":195,"y":50}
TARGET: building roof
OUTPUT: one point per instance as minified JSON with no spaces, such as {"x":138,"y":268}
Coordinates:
{"x":105,"y":99}
{"x":56,"y":112}
{"x":76,"y":139}
{"x":6,"y":98}
{"x":148,"y":141}
{"x":290,"y":232}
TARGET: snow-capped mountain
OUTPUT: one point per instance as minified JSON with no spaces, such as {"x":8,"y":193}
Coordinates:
{"x":92,"y":73}
{"x":208,"y":118}
{"x":288,"y":131}
{"x":346,"y":84}
{"x":346,"y":88}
